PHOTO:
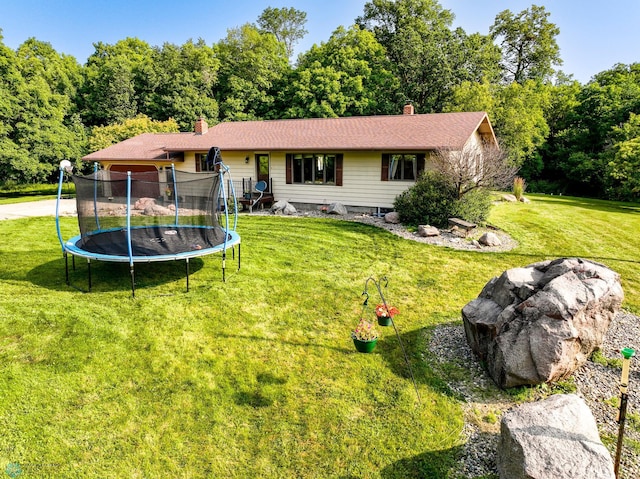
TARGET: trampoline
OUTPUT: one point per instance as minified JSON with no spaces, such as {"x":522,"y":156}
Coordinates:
{"x":142,"y":217}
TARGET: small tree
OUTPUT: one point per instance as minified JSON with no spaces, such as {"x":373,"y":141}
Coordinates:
{"x":475,"y":167}
{"x":458,"y":185}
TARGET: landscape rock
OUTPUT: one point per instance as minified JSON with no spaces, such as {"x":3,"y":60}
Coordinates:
{"x":539,"y":323}
{"x":156,"y":210}
{"x":509,"y":197}
{"x":392,"y":217}
{"x":556,"y":438}
{"x":489,"y":239}
{"x":524,"y":199}
{"x":142,"y":203}
{"x":337,"y":209}
{"x":283,"y":208}
{"x":427,"y":231}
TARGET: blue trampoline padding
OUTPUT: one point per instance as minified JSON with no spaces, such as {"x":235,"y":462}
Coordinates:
{"x":152,"y":243}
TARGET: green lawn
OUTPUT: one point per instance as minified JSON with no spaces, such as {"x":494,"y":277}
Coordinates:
{"x":256,"y":377}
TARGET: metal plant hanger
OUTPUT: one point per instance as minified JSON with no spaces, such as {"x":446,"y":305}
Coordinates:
{"x":365,"y":293}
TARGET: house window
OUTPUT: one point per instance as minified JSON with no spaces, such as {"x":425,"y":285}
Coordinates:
{"x":201,"y":163}
{"x":402,"y":166}
{"x":314,"y":168}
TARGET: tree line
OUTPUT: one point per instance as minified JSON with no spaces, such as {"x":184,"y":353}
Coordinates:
{"x":564,"y":136}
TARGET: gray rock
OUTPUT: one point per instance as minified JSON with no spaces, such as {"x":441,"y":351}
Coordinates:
{"x":509,"y":197}
{"x":540,"y":323}
{"x":524,"y":199}
{"x":337,"y":209}
{"x":556,"y":438}
{"x":427,"y":231}
{"x":282,"y":207}
{"x":278,"y":206}
{"x":393,"y":217}
{"x":157,"y":210}
{"x":490,"y":239}
{"x":289,"y":209}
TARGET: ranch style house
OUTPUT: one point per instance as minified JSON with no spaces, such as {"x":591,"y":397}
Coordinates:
{"x":363,"y":162}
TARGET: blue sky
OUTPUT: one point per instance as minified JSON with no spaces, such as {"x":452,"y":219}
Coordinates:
{"x":594,"y":36}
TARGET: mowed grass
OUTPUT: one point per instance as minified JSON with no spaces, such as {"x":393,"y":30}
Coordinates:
{"x":257,"y":376}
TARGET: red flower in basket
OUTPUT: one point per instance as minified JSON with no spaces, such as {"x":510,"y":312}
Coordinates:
{"x":385,"y":314}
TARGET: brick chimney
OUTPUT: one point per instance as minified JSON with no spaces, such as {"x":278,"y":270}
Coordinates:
{"x":201,"y":126}
{"x":408,"y":108}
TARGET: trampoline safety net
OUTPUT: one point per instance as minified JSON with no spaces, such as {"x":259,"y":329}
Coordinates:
{"x":166,"y":212}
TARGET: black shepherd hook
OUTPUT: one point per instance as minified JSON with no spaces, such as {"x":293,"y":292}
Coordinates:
{"x":384,"y":302}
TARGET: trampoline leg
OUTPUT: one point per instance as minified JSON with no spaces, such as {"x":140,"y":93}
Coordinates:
{"x":186,"y":264}
{"x":239,"y":256}
{"x":133,"y":283}
{"x":89,"y":272}
{"x":224,"y":262}
{"x":66,"y":268}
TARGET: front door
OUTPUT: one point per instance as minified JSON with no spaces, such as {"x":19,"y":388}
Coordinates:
{"x":262,"y":169}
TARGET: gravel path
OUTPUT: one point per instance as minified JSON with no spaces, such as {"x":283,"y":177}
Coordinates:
{"x":484,"y":402}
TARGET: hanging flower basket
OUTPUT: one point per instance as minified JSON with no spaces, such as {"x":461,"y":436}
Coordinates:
{"x":385,"y":313}
{"x":363,"y":346}
{"x":365,"y":336}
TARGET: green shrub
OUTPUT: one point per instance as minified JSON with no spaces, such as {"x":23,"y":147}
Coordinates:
{"x":433,"y":200}
{"x":473,"y":206}
{"x":430,"y":201}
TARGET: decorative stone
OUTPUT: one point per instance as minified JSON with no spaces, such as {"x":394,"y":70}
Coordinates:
{"x":524,"y":199}
{"x":156,"y":210}
{"x":509,"y":197}
{"x":556,"y":438}
{"x":540,"y":323}
{"x":142,"y":203}
{"x":337,"y":209}
{"x":393,"y":217}
{"x":490,"y":239}
{"x":427,"y":231}
{"x":283,"y":208}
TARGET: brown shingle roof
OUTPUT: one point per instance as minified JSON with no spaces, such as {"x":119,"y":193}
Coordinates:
{"x":385,"y":133}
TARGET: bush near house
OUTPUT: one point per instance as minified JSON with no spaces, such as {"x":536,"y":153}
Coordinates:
{"x":434,"y":199}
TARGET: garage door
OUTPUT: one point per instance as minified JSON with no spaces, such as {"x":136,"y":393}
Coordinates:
{"x":139,"y":189}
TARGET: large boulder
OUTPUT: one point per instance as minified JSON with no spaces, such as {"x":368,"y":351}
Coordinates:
{"x":556,"y":438}
{"x":540,"y":323}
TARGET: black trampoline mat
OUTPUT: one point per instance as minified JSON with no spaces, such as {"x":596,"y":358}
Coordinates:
{"x":152,"y":240}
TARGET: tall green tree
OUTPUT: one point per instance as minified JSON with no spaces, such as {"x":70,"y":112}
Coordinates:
{"x":623,"y":167}
{"x":517,"y":113}
{"x":345,"y":76}
{"x":104,"y":136}
{"x":251,"y":66}
{"x":116,"y":81}
{"x":577,"y":159}
{"x":287,"y":24}
{"x":428,"y":57}
{"x":528,"y":43}
{"x":38,"y":124}
{"x":182,"y":84}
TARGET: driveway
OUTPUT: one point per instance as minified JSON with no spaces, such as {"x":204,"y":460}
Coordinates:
{"x":37,"y":208}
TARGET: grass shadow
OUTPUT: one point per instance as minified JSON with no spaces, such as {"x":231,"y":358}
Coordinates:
{"x":108,"y":276}
{"x":428,"y":465}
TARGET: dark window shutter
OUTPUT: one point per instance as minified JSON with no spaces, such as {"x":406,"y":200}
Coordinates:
{"x":421,"y":164}
{"x":339,"y":169}
{"x":198,"y":156}
{"x":384,"y":171}
{"x":289,"y":168}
